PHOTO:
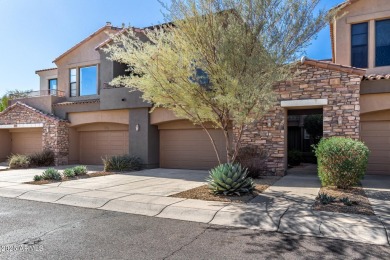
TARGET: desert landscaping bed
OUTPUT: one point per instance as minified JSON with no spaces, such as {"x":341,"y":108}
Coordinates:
{"x":85,"y":176}
{"x":204,"y":193}
{"x":356,"y":195}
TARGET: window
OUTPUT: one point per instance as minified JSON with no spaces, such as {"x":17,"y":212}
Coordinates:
{"x":359,"y":45}
{"x":53,"y":86}
{"x":73,"y":82}
{"x":88,"y":81}
{"x":382,"y":43}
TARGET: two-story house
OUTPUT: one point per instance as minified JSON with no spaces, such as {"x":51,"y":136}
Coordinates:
{"x":78,"y":115}
{"x":361,"y":38}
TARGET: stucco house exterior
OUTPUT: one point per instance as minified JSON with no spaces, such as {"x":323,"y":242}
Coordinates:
{"x":78,"y":115}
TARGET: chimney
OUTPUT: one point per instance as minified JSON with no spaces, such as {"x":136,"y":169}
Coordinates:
{"x":108,"y":23}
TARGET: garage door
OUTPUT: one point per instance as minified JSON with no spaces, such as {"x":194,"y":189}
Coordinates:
{"x":26,"y":142}
{"x":190,"y":149}
{"x":97,"y":144}
{"x":376,"y":135}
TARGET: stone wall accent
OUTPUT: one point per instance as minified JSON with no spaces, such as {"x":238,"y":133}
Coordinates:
{"x":55,"y":133}
{"x":341,"y":89}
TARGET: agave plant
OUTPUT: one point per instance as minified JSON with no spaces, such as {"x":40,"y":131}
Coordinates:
{"x":230,"y":179}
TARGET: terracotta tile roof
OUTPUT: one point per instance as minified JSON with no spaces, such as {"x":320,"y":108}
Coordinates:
{"x":23,"y":105}
{"x":107,"y":26}
{"x":376,"y":76}
{"x":341,"y":7}
{"x":332,"y":66}
{"x":45,"y":70}
{"x":67,"y":103}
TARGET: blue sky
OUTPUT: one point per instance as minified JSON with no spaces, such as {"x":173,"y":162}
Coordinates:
{"x":34,"y":32}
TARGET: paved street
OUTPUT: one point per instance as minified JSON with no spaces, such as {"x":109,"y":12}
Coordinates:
{"x":65,"y":232}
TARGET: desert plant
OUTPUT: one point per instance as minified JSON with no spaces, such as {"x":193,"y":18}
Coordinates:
{"x":37,"y":178}
{"x":342,"y":162}
{"x":18,"y":161}
{"x":230,"y":179}
{"x":294,"y":157}
{"x":122,"y":163}
{"x":80,"y":170}
{"x":346,"y":201}
{"x":41,"y":159}
{"x":325,"y":199}
{"x":51,"y":174}
{"x":69,"y":173}
{"x":252,"y":158}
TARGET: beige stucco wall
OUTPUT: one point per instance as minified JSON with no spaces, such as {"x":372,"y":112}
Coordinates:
{"x":374,"y":102}
{"x":84,"y":55}
{"x":162,"y":115}
{"x":5,"y":144}
{"x":44,"y":77}
{"x":360,"y":11}
{"x":111,"y":116}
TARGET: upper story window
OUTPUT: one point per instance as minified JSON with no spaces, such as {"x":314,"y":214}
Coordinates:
{"x":359,"y":45}
{"x":83,"y":81}
{"x":52,"y":86}
{"x":88,"y":81}
{"x":382,"y":43}
{"x":73,"y":82}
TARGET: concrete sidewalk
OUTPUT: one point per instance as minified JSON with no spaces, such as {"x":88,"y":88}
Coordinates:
{"x":285,"y":207}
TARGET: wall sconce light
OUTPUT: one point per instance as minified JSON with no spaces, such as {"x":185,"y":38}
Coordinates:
{"x":269,"y":123}
{"x":340,"y":120}
{"x":137,"y":127}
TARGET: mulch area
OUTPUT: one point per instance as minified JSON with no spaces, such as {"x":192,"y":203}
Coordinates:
{"x":85,"y":176}
{"x":355,"y":194}
{"x":203,"y":192}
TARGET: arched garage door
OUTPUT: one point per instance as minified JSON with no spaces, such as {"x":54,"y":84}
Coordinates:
{"x":183,"y":146}
{"x":100,"y":140}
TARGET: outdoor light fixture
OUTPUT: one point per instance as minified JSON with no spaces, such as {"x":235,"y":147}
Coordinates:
{"x":340,"y":120}
{"x":137,"y":127}
{"x":269,"y":123}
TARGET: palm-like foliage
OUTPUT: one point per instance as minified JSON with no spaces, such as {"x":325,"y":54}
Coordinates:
{"x":230,"y":179}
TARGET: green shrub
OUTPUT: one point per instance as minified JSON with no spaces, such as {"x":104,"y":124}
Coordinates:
{"x":230,"y":179}
{"x":342,"y":162}
{"x":122,"y":163}
{"x":37,"y":178}
{"x":294,"y":157}
{"x":69,"y":173}
{"x":51,"y":174}
{"x":42,"y":159}
{"x":325,"y":199}
{"x":80,"y":170}
{"x":18,"y":161}
{"x":347,"y":202}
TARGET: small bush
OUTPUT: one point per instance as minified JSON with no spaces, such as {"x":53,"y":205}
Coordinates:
{"x":18,"y":161}
{"x":342,"y":162}
{"x":122,"y":163}
{"x":37,"y":178}
{"x":51,"y":174}
{"x":69,"y":173}
{"x":80,"y":170}
{"x":230,"y":179}
{"x":252,"y":158}
{"x":294,"y":157}
{"x":325,"y":199}
{"x":42,"y":159}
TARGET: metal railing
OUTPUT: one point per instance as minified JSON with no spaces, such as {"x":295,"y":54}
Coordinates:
{"x":39,"y":93}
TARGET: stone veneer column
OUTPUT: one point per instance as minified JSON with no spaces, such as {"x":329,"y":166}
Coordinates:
{"x":56,"y":138}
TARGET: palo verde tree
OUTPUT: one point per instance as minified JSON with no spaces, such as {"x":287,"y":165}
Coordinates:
{"x":12,"y":94}
{"x":215,"y":64}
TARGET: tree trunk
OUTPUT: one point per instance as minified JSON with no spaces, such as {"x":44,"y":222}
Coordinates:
{"x":212,"y":142}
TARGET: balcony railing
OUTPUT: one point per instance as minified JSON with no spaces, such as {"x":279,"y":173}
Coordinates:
{"x":39,"y":93}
